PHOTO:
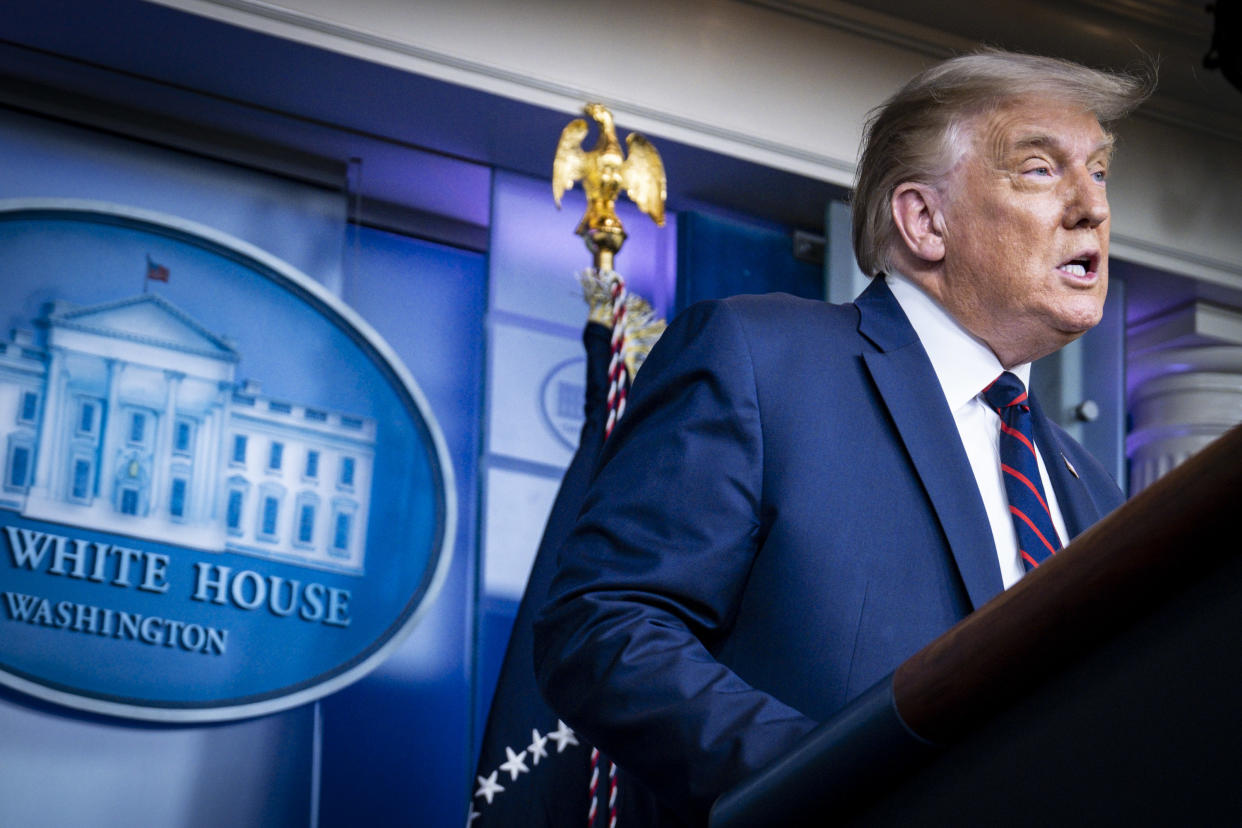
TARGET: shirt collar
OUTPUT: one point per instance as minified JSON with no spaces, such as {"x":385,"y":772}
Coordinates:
{"x":963,"y":364}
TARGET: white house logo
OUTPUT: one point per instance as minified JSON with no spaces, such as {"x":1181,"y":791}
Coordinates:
{"x":132,"y":421}
{"x":560,"y":400}
{"x":177,"y":543}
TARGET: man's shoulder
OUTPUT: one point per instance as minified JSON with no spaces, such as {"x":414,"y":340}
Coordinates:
{"x":771,"y":330}
{"x":772,"y":314}
{"x":760,"y":304}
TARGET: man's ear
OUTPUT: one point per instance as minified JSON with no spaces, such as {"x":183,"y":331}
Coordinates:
{"x":916,"y":213}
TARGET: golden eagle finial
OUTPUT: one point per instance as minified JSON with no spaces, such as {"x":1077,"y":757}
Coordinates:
{"x":605,"y":171}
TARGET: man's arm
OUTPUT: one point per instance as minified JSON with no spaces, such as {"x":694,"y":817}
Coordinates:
{"x":650,"y":580}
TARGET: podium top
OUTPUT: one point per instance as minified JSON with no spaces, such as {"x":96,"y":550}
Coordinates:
{"x":1171,"y":533}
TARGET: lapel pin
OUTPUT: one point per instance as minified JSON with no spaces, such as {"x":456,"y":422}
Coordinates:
{"x":1070,"y":466}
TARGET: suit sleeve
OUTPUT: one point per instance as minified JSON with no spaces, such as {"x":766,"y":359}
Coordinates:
{"x":650,"y":579}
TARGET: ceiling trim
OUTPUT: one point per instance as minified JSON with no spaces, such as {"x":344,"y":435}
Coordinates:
{"x":1201,"y":268}
{"x":873,"y":25}
{"x":497,"y":80}
{"x":1135,"y":15}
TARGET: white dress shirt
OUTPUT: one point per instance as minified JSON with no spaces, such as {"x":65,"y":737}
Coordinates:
{"x":964,"y":366}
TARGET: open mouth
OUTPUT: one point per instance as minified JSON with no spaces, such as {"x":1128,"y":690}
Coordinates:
{"x":1079,"y":266}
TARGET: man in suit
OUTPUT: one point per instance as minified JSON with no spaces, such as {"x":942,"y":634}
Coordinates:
{"x":802,"y":495}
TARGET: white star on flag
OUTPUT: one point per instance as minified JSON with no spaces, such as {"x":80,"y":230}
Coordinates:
{"x":516,"y":763}
{"x":563,"y":736}
{"x":489,"y":787}
{"x":537,"y":746}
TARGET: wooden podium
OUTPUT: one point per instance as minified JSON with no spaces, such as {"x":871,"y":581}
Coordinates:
{"x":1105,"y":688}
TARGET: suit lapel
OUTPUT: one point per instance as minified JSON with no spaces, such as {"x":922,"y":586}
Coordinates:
{"x":1077,"y":506}
{"x":907,"y":384}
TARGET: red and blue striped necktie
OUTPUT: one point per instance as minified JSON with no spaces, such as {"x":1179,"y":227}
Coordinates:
{"x":1037,"y":537}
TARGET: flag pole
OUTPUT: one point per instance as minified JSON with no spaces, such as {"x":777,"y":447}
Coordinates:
{"x":605,"y":171}
{"x":522,"y":777}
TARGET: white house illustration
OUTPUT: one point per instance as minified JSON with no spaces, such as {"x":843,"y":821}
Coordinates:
{"x":129,"y":420}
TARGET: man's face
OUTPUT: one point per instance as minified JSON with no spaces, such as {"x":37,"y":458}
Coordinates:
{"x":1026,"y":228}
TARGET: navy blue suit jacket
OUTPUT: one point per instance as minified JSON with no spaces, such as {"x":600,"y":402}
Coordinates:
{"x":784,"y":514}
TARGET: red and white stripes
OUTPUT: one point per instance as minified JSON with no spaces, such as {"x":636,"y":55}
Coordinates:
{"x":616,"y":407}
{"x":616,"y":367}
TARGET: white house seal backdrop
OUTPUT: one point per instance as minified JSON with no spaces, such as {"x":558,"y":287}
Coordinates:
{"x":222,"y":494}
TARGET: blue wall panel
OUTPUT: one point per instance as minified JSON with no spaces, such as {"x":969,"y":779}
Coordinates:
{"x":395,"y":743}
{"x":391,"y":749}
{"x":720,"y":256}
